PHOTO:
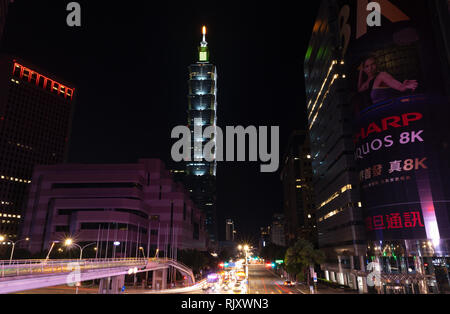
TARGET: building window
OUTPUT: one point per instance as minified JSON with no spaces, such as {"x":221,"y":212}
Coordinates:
{"x":62,"y":229}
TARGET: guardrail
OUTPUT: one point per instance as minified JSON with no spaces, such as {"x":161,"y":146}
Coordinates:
{"x":35,"y":267}
{"x":42,"y":266}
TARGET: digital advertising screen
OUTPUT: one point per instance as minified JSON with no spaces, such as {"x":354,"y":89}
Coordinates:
{"x":401,"y":110}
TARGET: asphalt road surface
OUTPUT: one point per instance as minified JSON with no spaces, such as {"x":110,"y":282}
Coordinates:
{"x":263,"y":281}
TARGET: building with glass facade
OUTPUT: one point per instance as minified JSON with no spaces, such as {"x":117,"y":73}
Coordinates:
{"x":35,"y":121}
{"x":298,"y":194}
{"x":200,"y":176}
{"x":229,"y":230}
{"x":341,"y":233}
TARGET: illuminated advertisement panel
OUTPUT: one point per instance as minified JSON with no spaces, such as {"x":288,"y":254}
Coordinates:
{"x":401,"y":119}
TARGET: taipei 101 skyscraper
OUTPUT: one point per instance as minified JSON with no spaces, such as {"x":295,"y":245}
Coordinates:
{"x":202,"y":108}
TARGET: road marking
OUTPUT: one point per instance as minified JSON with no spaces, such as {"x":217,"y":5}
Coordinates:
{"x":265,"y":289}
{"x":285,"y":290}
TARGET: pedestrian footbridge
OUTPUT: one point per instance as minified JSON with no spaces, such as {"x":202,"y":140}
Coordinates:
{"x":22,"y":275}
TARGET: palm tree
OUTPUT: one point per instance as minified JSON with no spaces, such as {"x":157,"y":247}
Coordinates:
{"x":301,"y":257}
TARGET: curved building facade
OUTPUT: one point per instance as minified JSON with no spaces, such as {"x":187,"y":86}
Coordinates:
{"x":132,"y":205}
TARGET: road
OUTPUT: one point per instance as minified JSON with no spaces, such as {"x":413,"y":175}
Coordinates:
{"x":260,"y":281}
{"x":263,"y":281}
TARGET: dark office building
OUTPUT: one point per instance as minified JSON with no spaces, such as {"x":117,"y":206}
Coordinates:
{"x":3,"y":13}
{"x":200,"y":174}
{"x":35,"y":121}
{"x":378,"y":100}
{"x":298,"y":194}
{"x":341,"y":233}
{"x":264,"y":237}
{"x":277,"y":234}
{"x":229,"y":230}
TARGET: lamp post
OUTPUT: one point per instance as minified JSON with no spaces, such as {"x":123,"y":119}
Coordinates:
{"x":13,"y":246}
{"x":116,"y":244}
{"x":246,"y":260}
{"x":143,"y":252}
{"x":51,"y":248}
{"x":69,"y":242}
{"x":245,"y":248}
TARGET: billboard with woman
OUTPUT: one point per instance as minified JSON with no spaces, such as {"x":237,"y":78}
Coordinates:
{"x":401,"y":118}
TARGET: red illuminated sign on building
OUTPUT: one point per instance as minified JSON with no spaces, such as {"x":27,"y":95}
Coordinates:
{"x":394,"y":221}
{"x":42,"y":81}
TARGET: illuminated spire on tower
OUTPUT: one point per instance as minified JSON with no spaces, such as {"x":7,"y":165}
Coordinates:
{"x":204,"y":43}
{"x":200,"y":176}
{"x":203,"y":51}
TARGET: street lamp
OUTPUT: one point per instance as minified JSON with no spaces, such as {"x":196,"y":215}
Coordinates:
{"x":245,"y":248}
{"x":116,"y":244}
{"x":51,"y":248}
{"x":246,"y":259}
{"x":143,"y":252}
{"x":69,"y":242}
{"x":13,"y":246}
{"x":2,"y":238}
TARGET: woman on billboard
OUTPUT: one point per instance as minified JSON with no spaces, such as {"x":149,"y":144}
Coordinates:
{"x":380,"y":86}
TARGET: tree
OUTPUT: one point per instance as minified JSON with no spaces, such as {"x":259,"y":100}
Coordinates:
{"x":273,"y":252}
{"x":301,"y":257}
{"x":194,"y":259}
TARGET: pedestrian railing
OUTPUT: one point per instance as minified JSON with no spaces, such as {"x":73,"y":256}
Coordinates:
{"x":35,"y":267}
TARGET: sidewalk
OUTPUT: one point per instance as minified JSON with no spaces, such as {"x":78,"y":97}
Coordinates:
{"x":322,"y":289}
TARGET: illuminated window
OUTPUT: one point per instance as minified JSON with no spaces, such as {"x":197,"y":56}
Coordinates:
{"x":336,"y":195}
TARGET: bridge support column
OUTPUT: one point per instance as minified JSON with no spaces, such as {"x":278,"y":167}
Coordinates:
{"x":111,"y":285}
{"x":159,"y":280}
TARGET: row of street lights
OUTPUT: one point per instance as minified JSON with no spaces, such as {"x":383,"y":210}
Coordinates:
{"x":67,"y":242}
{"x":246,"y":248}
{"x":3,"y":238}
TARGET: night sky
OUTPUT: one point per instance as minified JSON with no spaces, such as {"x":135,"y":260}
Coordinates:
{"x":129,"y":63}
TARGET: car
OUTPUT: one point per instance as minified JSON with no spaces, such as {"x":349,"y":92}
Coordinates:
{"x":289,"y":283}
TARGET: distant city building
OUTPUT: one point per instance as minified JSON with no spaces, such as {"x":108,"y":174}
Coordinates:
{"x":277,"y":232}
{"x":200,"y":176}
{"x":298,"y":193}
{"x":178,"y":175}
{"x":229,"y":230}
{"x":137,"y":205}
{"x":264,"y":237}
{"x":35,"y":121}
